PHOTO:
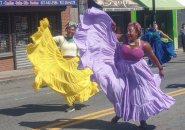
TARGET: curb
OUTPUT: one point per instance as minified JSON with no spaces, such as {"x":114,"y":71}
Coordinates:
{"x":13,"y":75}
{"x":12,"y":78}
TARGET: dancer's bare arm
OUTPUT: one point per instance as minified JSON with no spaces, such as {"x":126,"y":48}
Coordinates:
{"x":148,"y":50}
{"x":164,"y":35}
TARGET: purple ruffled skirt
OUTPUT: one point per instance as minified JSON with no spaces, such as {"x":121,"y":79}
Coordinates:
{"x":129,"y":85}
{"x":141,"y":96}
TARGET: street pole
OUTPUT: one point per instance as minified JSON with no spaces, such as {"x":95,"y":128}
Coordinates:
{"x":78,"y":11}
{"x":154,"y":10}
{"x":82,"y":6}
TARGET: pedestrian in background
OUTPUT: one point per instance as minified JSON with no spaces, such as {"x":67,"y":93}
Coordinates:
{"x":162,"y":49}
{"x":183,"y":36}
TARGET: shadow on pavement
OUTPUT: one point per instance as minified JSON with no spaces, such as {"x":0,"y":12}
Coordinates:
{"x":176,"y":86}
{"x":88,"y":124}
{"x":34,"y":108}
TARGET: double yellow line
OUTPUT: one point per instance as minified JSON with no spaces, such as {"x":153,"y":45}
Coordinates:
{"x":177,"y":92}
{"x":94,"y":115}
{"x":77,"y":120}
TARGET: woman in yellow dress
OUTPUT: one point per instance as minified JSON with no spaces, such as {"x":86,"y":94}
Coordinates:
{"x":58,"y":68}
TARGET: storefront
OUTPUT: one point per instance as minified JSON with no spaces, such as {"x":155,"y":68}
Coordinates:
{"x":180,"y":21}
{"x":20,"y":19}
{"x":166,"y":16}
{"x":121,"y":11}
{"x":125,"y":11}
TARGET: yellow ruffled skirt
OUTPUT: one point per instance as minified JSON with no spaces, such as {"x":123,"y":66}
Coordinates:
{"x":60,"y":74}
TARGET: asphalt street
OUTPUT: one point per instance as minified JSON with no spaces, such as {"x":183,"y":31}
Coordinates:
{"x":23,"y":109}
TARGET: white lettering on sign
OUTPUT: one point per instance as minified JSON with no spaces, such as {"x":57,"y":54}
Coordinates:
{"x":37,"y":2}
{"x":116,"y":3}
{"x":49,"y":2}
{"x":25,"y":2}
{"x":34,"y":3}
{"x":61,"y":2}
{"x":70,"y":2}
{"x":18,"y":3}
{"x":113,"y":2}
{"x":8,"y":3}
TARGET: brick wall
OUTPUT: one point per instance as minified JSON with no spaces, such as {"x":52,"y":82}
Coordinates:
{"x":65,"y":18}
{"x":6,"y":64}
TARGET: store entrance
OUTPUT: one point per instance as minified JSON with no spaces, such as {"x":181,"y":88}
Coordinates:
{"x":121,"y":19}
{"x":24,"y":25}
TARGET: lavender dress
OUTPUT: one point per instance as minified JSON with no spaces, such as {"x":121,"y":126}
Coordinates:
{"x":127,"y":82}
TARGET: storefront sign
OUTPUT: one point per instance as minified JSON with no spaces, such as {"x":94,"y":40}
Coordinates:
{"x":116,"y":3}
{"x":37,"y":2}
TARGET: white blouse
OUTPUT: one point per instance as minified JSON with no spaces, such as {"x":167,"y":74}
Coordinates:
{"x":67,"y":47}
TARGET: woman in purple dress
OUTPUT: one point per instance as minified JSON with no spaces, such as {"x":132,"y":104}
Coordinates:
{"x":120,"y":70}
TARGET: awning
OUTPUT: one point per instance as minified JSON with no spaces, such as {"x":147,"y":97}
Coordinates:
{"x":37,"y":2}
{"x":182,"y":2}
{"x":163,"y":4}
{"x":118,"y":5}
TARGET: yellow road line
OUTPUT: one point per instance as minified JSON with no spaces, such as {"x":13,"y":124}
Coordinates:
{"x":82,"y":120}
{"x":176,"y":91}
{"x":78,"y":117}
{"x":176,"y":94}
{"x":53,"y":129}
{"x":94,"y":115}
{"x":91,"y":114}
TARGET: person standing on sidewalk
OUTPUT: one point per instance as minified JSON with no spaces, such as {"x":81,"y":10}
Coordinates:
{"x":183,"y":36}
{"x":58,"y":68}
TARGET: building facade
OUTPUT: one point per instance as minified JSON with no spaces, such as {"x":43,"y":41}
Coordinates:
{"x":180,"y":21}
{"x":20,"y":19}
{"x":125,"y":11}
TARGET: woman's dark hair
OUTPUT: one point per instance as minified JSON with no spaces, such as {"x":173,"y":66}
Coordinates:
{"x":70,"y":25}
{"x":91,"y":4}
{"x":136,"y":26}
{"x":183,"y":25}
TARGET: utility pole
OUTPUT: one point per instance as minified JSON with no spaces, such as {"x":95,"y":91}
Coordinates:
{"x":154,"y":10}
{"x":82,"y":6}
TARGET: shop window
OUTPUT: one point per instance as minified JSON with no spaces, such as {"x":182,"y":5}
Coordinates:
{"x":54,"y":20}
{"x":24,"y":25}
{"x":121,"y":19}
{"x":4,"y":35}
{"x":21,"y":31}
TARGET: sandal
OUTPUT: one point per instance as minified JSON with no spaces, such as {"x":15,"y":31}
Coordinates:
{"x":115,"y":120}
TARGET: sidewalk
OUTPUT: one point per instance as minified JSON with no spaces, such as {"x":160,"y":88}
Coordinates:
{"x":16,"y":74}
{"x":26,"y":73}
